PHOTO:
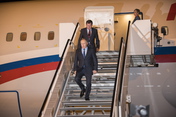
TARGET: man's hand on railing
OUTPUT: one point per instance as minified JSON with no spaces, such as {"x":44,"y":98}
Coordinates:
{"x":94,"y":71}
{"x":97,"y":49}
{"x":72,"y":44}
{"x":74,"y":72}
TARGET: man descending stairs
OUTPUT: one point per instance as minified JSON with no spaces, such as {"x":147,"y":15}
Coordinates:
{"x":101,"y":91}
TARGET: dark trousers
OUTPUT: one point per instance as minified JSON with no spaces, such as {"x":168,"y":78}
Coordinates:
{"x":78,"y":80}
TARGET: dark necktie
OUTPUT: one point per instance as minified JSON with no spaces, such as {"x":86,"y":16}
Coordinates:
{"x":89,"y":33}
{"x":84,"y":53}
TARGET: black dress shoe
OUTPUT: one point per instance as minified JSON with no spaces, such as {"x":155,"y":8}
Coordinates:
{"x":87,"y":99}
{"x":82,"y":92}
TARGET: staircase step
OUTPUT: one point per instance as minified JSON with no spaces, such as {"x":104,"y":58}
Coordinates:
{"x":94,"y":85}
{"x":78,"y":101}
{"x":92,"y":88}
{"x":85,"y":108}
{"x":94,"y":91}
{"x":107,"y":66}
{"x":107,"y":53}
{"x":84,"y":116}
{"x":106,"y":70}
{"x":86,"y":104}
{"x":97,"y":95}
{"x":100,"y":74}
{"x":106,"y":76}
{"x":95,"y":81}
{"x":103,"y":79}
{"x":91,"y":98}
{"x":108,"y":57}
{"x":108,"y":63}
{"x":102,"y":60}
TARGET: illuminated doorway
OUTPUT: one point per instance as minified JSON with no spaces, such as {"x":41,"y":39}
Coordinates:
{"x":120,"y":26}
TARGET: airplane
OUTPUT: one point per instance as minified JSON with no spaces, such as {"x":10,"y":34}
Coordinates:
{"x":32,"y":42}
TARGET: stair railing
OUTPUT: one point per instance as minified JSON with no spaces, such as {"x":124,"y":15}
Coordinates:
{"x":118,"y":107}
{"x":59,"y":72}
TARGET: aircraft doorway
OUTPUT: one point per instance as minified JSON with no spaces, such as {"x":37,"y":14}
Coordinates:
{"x":120,"y":26}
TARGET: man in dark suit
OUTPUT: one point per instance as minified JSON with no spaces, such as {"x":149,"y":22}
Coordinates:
{"x":85,"y":65}
{"x":90,"y":34}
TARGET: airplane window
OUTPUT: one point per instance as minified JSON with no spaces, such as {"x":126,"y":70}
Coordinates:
{"x":37,"y":36}
{"x":9,"y":37}
{"x":23,"y":36}
{"x":50,"y":35}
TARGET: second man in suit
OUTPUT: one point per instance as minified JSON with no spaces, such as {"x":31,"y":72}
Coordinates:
{"x":85,"y":65}
{"x":91,"y":35}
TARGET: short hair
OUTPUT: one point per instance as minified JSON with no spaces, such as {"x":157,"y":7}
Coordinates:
{"x":83,"y":39}
{"x":89,"y":22}
{"x":138,"y":11}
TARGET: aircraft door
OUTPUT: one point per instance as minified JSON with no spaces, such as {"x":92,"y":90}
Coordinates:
{"x":103,"y":21}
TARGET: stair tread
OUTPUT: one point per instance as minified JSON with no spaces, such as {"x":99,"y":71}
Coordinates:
{"x":84,"y":116}
{"x":85,"y":108}
{"x":91,"y":99}
{"x":106,"y":70}
{"x":102,"y":72}
{"x":97,"y":77}
{"x":84,"y":104}
{"x":95,"y":81}
{"x":91,"y":88}
{"x":92,"y":91}
{"x":98,"y":95}
{"x":93,"y":85}
{"x":85,"y":101}
{"x":102,"y":60}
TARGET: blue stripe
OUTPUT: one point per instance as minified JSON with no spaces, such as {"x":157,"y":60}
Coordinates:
{"x":126,"y":13}
{"x":29,"y":62}
{"x":165,"y":50}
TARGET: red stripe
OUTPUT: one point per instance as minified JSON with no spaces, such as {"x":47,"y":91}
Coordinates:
{"x":24,"y":71}
{"x":172,"y":12}
{"x":165,"y":58}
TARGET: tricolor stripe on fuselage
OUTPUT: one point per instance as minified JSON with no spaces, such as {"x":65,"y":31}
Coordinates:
{"x":17,"y":65}
{"x":165,"y":54}
{"x":14,"y":70}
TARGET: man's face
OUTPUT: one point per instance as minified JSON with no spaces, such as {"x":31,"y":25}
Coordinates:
{"x":89,"y":26}
{"x":83,"y":43}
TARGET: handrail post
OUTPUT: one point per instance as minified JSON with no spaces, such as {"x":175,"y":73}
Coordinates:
{"x":18,"y":99}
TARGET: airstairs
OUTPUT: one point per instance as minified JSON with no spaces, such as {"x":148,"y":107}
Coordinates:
{"x":101,"y":94}
{"x":63,"y":97}
{"x":109,"y":92}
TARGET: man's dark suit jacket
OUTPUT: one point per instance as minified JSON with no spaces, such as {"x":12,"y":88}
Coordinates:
{"x":89,"y":62}
{"x":93,"y":36}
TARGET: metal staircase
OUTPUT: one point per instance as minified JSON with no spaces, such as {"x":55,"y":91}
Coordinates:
{"x":71,"y":105}
{"x":109,"y":91}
